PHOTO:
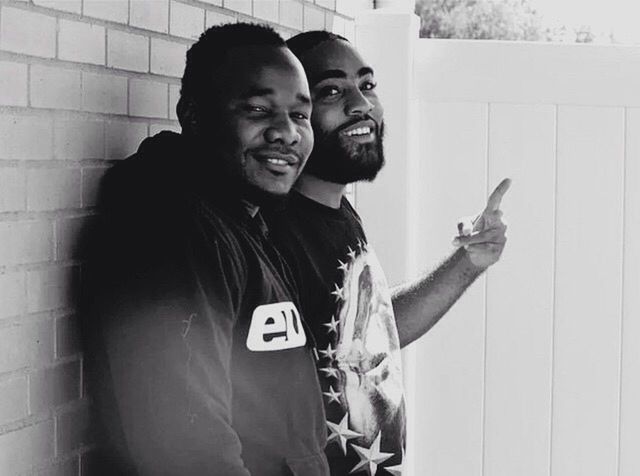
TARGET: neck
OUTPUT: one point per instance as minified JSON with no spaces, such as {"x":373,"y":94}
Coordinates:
{"x":324,"y":192}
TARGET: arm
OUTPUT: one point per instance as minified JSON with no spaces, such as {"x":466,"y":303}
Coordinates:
{"x":419,"y":305}
{"x":164,"y":349}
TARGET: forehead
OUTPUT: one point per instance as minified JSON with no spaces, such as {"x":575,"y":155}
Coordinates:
{"x":248,"y":68}
{"x":332,"y":55}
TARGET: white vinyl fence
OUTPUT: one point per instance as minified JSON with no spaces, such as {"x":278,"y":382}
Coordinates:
{"x":536,"y":370}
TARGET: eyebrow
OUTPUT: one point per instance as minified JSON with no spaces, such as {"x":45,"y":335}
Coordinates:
{"x":338,"y":73}
{"x":257,"y":92}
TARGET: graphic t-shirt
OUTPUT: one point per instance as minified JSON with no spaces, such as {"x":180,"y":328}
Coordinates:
{"x":347,"y":303}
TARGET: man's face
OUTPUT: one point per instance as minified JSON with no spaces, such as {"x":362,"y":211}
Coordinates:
{"x":347,"y":115}
{"x":260,"y":120}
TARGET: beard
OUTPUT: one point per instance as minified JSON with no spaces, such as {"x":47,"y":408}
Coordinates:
{"x":338,"y":159}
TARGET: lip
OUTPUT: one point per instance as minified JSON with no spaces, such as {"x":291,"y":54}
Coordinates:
{"x":277,"y":162}
{"x":367,"y":123}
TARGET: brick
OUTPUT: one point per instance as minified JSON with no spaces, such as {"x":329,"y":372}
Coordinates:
{"x":54,"y":386}
{"x":81,"y":42}
{"x":150,"y":14}
{"x":12,"y":294}
{"x":351,"y":8}
{"x":13,"y":400}
{"x":67,"y":337}
{"x":313,"y":18}
{"x":25,"y":344}
{"x":285,"y":34}
{"x":113,"y":10}
{"x":242,"y":6}
{"x":328,"y":21}
{"x":78,"y":139}
{"x":52,"y":288}
{"x":291,"y":14}
{"x":55,"y":88}
{"x":186,"y":21}
{"x":328,"y":4}
{"x":17,"y":135}
{"x":123,"y":138}
{"x":53,"y":189}
{"x":13,"y":84}
{"x":73,"y":430}
{"x":266,"y":10}
{"x":174,"y":97}
{"x":28,"y":32}
{"x":350,"y":30}
{"x":217,"y":18}
{"x":73,"y":6}
{"x":148,"y":98}
{"x":25,"y":448}
{"x":25,"y":242}
{"x":167,"y":57}
{"x":127,"y":51}
{"x":91,"y":179}
{"x":338,"y":25}
{"x":70,"y":233}
{"x":12,"y":189}
{"x":156,"y":128}
{"x":105,"y":93}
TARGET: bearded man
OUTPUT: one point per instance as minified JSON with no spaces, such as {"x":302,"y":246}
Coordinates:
{"x":359,"y":324}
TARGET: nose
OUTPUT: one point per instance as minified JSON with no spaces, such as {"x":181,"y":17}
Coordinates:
{"x":283,"y":130}
{"x":358,"y":104}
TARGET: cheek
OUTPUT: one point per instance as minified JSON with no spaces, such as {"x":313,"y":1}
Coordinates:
{"x":246,"y":135}
{"x":325,"y":120}
{"x":306,"y":141}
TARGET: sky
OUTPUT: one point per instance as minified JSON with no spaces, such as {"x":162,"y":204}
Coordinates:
{"x":621,"y":17}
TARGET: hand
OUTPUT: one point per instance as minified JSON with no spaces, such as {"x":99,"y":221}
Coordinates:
{"x":484,"y":236}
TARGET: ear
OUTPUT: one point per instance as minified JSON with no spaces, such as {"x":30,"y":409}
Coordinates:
{"x":186,"y":111}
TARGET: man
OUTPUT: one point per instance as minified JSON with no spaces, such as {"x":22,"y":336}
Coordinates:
{"x":359,"y":327}
{"x":199,"y":360}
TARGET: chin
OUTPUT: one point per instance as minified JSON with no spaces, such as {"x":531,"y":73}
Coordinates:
{"x":266,"y":194}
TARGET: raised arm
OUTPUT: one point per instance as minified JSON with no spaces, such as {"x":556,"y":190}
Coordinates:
{"x":419,"y":305}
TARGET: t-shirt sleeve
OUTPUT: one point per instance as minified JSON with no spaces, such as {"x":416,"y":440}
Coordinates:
{"x":164,"y":342}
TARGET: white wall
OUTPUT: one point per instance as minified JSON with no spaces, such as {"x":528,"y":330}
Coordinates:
{"x":536,"y":370}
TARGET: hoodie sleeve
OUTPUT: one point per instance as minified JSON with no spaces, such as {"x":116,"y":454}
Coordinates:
{"x":165,"y":354}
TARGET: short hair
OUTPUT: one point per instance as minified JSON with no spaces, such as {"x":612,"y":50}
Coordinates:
{"x":208,"y":53}
{"x":303,"y":42}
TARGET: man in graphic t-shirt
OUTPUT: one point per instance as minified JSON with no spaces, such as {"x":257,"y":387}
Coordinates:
{"x":358,"y":324}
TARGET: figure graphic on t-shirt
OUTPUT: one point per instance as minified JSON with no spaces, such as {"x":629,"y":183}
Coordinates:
{"x":368,"y":352}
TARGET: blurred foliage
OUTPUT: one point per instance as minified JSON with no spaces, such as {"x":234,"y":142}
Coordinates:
{"x":489,"y":20}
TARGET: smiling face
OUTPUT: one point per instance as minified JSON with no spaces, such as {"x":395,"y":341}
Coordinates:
{"x":260,"y":119}
{"x":347,"y":115}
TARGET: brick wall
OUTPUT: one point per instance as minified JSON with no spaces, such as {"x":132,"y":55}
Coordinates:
{"x":82,"y":82}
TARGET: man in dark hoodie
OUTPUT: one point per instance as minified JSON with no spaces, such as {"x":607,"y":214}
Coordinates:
{"x":198,"y":358}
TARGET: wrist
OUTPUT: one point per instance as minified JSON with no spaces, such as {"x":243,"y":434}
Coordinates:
{"x":468,"y":265}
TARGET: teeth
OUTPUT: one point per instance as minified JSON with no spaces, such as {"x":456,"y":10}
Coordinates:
{"x":277,"y":161}
{"x":360,"y":131}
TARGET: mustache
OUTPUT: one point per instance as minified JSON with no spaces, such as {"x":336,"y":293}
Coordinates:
{"x":278,"y":150}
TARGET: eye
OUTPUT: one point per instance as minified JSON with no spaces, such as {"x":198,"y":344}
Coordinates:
{"x":328,"y":92}
{"x":368,"y":86}
{"x":300,"y":116}
{"x":255,"y":108}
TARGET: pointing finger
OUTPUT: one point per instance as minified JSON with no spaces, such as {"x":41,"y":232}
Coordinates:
{"x":495,"y":198}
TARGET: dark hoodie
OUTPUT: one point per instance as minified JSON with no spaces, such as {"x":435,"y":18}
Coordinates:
{"x":197,"y":358}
